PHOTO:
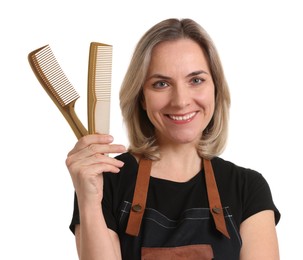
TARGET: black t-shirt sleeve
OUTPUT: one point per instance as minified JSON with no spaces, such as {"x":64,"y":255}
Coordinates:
{"x":107,"y":202}
{"x":106,"y":208}
{"x":244,"y":190}
{"x":257,"y":196}
{"x":76,"y":216}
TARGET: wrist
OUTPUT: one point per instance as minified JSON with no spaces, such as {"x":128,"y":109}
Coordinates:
{"x":89,"y":204}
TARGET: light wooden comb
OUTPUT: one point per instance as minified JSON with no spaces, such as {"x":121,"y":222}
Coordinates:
{"x":56,"y":84}
{"x":99,"y":88}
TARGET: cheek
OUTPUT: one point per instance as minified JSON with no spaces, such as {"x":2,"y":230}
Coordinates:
{"x":206,"y":101}
{"x":154,"y":103}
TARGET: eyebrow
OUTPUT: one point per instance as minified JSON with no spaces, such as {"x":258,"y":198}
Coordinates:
{"x":195,"y":73}
{"x":160,"y":76}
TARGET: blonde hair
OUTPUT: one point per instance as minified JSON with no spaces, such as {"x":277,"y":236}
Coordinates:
{"x":141,"y":132}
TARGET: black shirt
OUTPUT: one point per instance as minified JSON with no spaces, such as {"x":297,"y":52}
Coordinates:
{"x":178,"y":207}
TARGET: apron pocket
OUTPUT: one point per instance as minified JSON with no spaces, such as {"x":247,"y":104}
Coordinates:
{"x":190,"y":252}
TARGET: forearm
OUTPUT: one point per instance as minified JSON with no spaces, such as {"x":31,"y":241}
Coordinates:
{"x":95,"y":239}
{"x":86,"y":163}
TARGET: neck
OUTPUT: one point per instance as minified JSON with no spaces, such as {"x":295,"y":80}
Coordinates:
{"x":179,"y":163}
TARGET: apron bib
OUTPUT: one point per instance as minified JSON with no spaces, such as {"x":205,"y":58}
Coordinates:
{"x":205,"y":245}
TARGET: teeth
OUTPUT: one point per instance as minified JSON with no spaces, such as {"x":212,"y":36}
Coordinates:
{"x":182,"y":118}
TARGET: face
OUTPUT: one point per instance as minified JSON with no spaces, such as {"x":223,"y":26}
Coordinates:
{"x":179,"y":92}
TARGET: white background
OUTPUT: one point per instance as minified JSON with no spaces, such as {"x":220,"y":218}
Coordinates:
{"x":260,"y":44}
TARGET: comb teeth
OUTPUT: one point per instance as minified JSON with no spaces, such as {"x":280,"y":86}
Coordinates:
{"x":53,"y":76}
{"x":103,"y":72}
{"x":99,"y":87}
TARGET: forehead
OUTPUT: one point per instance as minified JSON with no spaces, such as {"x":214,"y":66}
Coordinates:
{"x":178,"y":53}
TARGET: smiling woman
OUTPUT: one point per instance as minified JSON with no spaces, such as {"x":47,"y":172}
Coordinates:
{"x":180,"y":100}
{"x":169,"y":196}
{"x":140,"y":131}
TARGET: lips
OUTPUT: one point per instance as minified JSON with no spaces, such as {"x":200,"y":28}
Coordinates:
{"x":181,"y":118}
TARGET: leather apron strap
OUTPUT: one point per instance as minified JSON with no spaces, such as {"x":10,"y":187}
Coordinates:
{"x":140,"y":195}
{"x":214,"y":198}
{"x":139,"y":199}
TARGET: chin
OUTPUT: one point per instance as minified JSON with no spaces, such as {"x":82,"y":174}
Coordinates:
{"x":186,"y":140}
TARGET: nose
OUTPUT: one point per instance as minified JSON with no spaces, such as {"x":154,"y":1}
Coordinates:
{"x":180,"y":96}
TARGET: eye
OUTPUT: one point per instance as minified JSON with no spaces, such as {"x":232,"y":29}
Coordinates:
{"x":159,"y":84}
{"x":197,"y":81}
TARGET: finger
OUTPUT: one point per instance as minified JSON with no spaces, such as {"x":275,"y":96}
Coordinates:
{"x":95,"y":149}
{"x":90,"y":169}
{"x":101,"y":168}
{"x":103,"y":149}
{"x":103,"y":159}
{"x":87,"y":140}
{"x":74,"y":164}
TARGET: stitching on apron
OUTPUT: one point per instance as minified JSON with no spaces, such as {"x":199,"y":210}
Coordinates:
{"x":233,"y":225}
{"x":140,"y":196}
{"x":124,"y":211}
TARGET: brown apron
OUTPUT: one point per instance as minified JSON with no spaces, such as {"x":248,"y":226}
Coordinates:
{"x":138,"y":208}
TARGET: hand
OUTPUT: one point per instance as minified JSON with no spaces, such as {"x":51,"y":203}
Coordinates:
{"x":86,"y":163}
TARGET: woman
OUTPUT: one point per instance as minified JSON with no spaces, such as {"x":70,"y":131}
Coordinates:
{"x":170,"y":196}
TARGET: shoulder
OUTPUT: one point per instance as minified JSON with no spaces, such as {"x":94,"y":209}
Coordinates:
{"x":241,"y":180}
{"x":121,"y":185}
{"x":130,"y":162}
{"x":226,"y":169}
{"x":127,"y":158}
{"x":226,"y":165}
{"x":128,"y":171}
{"x":244,"y":186}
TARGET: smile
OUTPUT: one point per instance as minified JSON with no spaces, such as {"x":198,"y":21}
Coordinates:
{"x":183,"y":117}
